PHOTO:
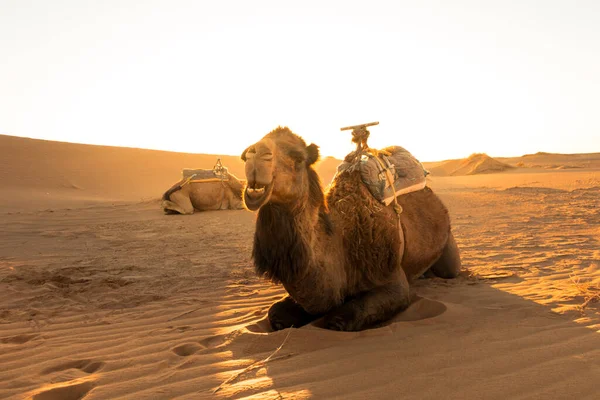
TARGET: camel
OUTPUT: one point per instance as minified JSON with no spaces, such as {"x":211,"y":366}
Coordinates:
{"x":219,"y":190}
{"x":337,"y":252}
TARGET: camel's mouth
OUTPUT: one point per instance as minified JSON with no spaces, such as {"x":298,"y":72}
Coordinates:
{"x":256,"y":195}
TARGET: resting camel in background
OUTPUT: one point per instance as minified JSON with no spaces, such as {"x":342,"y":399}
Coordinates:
{"x":188,"y":195}
{"x":337,"y":254}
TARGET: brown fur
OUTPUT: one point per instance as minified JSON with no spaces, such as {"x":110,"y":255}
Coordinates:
{"x":285,"y":260}
{"x":203,"y":196}
{"x":337,"y":253}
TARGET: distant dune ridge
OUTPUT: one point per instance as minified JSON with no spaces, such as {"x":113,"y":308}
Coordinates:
{"x":101,"y":170}
{"x":44,"y":174}
{"x":477,"y":163}
{"x":557,"y":161}
{"x":481,"y":163}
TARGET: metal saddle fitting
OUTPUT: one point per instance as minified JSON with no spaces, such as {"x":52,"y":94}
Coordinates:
{"x":360,"y":134}
{"x":219,"y":170}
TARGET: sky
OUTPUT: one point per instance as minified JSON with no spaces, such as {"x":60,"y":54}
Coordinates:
{"x":444,"y":79}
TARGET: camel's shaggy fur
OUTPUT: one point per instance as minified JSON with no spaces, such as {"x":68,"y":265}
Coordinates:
{"x":203,"y":196}
{"x":337,"y":253}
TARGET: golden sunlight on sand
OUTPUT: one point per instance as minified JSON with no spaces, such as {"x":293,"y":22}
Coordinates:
{"x":103,"y":296}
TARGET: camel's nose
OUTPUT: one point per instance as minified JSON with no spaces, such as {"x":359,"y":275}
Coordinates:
{"x":258,"y":172}
{"x":250,"y":170}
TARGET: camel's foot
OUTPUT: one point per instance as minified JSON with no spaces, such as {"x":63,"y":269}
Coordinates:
{"x":369,"y":308}
{"x":287,"y":313}
{"x":448,"y":266}
{"x":427,"y":274}
{"x":343,"y":319}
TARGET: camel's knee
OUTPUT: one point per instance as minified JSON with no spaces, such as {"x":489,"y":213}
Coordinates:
{"x":234,"y":203}
{"x":448,"y":265}
{"x":170,"y":207}
{"x":369,"y":308}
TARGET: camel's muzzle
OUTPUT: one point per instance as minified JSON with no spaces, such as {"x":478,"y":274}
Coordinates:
{"x":256,"y":195}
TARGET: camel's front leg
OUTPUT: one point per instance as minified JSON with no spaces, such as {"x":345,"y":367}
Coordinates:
{"x":287,"y":313}
{"x":179,"y":202}
{"x":371,"y":307}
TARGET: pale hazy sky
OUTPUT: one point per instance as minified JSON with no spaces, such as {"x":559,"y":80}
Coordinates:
{"x":444,"y":78}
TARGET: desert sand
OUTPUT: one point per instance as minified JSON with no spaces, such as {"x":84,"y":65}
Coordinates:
{"x":102,"y":296}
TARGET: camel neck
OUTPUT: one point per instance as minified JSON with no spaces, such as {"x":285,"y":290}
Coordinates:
{"x":281,"y":249}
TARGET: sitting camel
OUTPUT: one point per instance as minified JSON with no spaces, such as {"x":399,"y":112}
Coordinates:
{"x":338,"y":254}
{"x":204,"y":190}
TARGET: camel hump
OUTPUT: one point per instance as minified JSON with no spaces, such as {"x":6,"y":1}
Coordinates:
{"x":406,"y":172}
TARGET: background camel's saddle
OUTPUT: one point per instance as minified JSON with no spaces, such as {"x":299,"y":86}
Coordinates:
{"x":219,"y":172}
{"x":407,"y":173}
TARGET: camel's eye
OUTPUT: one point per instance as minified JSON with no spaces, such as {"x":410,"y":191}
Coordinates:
{"x":297,"y":156}
{"x":266,"y":156}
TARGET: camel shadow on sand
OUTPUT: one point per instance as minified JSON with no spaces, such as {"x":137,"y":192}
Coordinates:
{"x":453,"y":329}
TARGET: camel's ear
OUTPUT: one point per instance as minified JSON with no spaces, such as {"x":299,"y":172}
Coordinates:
{"x":312,"y":154}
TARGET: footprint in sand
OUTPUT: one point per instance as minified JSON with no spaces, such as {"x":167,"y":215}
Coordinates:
{"x":88,"y":366}
{"x":18,"y":339}
{"x":183,"y":328}
{"x":213,"y":341}
{"x":71,"y":390}
{"x":210,"y":342}
{"x":187,"y":349}
{"x":260,"y":326}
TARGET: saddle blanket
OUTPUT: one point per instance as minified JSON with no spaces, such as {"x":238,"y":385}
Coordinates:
{"x":201,"y":174}
{"x":408,"y":174}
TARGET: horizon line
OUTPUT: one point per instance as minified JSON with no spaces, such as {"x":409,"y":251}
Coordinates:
{"x":323,"y":157}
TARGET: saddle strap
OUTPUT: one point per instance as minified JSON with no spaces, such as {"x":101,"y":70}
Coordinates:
{"x":208,"y":180}
{"x":397,"y":209}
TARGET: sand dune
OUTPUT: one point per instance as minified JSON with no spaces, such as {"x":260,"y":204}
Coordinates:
{"x":535,"y":161}
{"x":104,"y":297}
{"x":556,"y":161}
{"x":57,"y":173}
{"x":478,"y":163}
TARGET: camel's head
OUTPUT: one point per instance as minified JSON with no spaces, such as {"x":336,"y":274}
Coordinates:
{"x":278,"y":169}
